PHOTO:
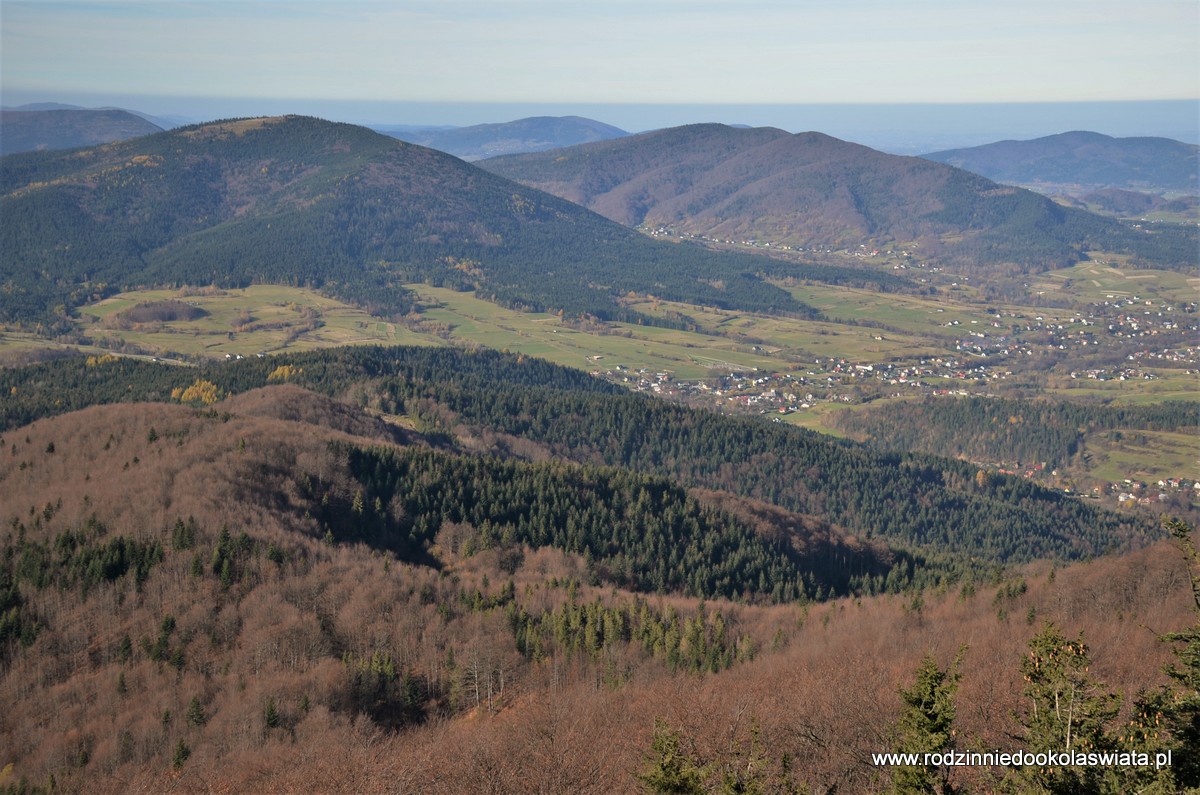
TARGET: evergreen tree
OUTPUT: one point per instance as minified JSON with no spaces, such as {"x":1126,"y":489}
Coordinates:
{"x":195,"y":713}
{"x":1168,"y":719}
{"x":182,"y":752}
{"x":927,"y":726}
{"x":746,"y":771}
{"x":1067,"y":712}
{"x":669,"y":770}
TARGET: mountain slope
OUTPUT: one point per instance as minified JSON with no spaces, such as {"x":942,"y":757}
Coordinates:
{"x":1084,"y":161}
{"x":175,"y":616}
{"x":535,"y":134}
{"x":29,"y":130}
{"x":300,"y":201}
{"x":811,"y":190}
{"x":1135,"y":204}
{"x":534,"y":409}
{"x":287,"y":462}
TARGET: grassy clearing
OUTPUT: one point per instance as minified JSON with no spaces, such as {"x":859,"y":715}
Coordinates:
{"x":267,"y":319}
{"x":803,"y":341}
{"x":271,"y":319}
{"x":1107,"y":278}
{"x":686,"y":354}
{"x":1170,"y":385}
{"x":921,"y":315}
{"x":1143,"y":455}
{"x":258,"y":319}
{"x":819,"y":417}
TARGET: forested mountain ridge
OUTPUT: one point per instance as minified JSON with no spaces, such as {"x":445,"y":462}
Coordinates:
{"x":529,"y":408}
{"x":1038,"y":431}
{"x":810,"y":190}
{"x":290,"y":463}
{"x":32,"y":130}
{"x":534,"y":134}
{"x":1084,"y":161}
{"x":300,"y":201}
{"x":210,"y":595}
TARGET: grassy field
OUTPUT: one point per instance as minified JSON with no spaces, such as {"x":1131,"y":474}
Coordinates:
{"x":920,"y":315}
{"x":259,"y":319}
{"x":1170,"y":385}
{"x":268,"y":319}
{"x":1144,"y":455}
{"x":687,"y":355}
{"x":804,"y":340}
{"x":819,"y":417}
{"x":1098,"y":280}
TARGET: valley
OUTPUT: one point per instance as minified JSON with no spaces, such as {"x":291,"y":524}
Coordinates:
{"x":1089,"y":340}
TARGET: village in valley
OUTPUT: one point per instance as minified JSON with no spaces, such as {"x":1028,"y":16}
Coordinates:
{"x":1113,"y":342}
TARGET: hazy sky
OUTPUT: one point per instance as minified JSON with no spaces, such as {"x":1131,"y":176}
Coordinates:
{"x":685,"y":51}
{"x":637,"y":64}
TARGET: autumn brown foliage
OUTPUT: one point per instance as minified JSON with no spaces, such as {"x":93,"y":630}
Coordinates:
{"x":254,"y":655}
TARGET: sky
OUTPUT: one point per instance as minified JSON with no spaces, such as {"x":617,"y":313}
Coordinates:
{"x":409,"y":61}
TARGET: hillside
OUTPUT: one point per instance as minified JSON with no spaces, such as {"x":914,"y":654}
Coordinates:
{"x":299,"y":201}
{"x":287,"y":461}
{"x":1082,"y":162}
{"x":523,"y":407}
{"x":30,"y":130}
{"x":1068,"y":441}
{"x":535,"y":134}
{"x":190,"y":602}
{"x":813,"y":191}
{"x":459,"y":568}
{"x":1132,"y":204}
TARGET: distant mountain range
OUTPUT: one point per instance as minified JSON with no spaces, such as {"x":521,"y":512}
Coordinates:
{"x":813,"y":191}
{"x":1082,"y":162}
{"x":296,"y":200}
{"x":162,"y":122}
{"x":31,"y":130}
{"x":535,"y":134}
{"x":1134,"y":204}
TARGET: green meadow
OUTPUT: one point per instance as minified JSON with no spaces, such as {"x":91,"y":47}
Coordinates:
{"x":269,"y":319}
{"x":1101,"y":280}
{"x":919,"y":315}
{"x":257,"y":319}
{"x":803,"y":341}
{"x":1143,"y":455}
{"x":1168,"y":385}
{"x":686,"y":354}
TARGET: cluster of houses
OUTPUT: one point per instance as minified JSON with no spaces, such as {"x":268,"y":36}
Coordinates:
{"x":833,"y":380}
{"x":1114,"y":374}
{"x":1123,"y":338}
{"x":1129,"y":492}
{"x":1024,"y":336}
{"x":780,"y":394}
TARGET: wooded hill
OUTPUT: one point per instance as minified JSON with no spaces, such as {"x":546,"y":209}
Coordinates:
{"x":1043,"y":431}
{"x":300,"y":201}
{"x":32,"y":130}
{"x":1084,"y":161}
{"x":535,"y":134}
{"x":815,"y":191}
{"x":516,"y":406}
{"x":208,"y":597}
